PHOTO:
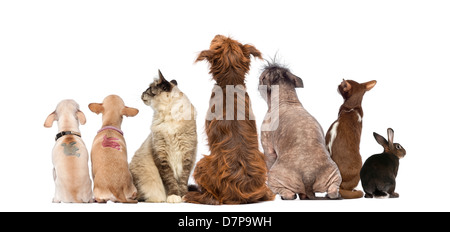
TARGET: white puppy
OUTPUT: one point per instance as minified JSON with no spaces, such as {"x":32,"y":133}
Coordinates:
{"x":70,"y":156}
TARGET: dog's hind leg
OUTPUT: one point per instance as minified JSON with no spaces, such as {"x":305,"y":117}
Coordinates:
{"x":287,"y":194}
{"x":102,"y":195}
{"x":269,"y":151}
{"x":278,"y":188}
{"x":56,"y":197}
{"x":268,"y":195}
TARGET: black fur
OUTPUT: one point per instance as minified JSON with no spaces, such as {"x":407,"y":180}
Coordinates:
{"x":378,"y":175}
{"x":160,"y":86}
{"x":379,"y":172}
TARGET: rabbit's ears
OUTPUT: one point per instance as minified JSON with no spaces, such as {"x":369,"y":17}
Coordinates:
{"x":390,"y":133}
{"x":383,"y":142}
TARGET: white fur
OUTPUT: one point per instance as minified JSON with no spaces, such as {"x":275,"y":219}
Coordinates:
{"x":357,"y":114}
{"x":333,"y":134}
{"x":174,"y":106}
{"x":173,"y":199}
{"x":173,"y":110}
{"x":71,"y":184}
{"x":382,"y":197}
{"x":359,"y":117}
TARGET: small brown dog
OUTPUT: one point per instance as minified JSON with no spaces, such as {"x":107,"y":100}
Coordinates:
{"x":344,"y":135}
{"x":112,"y":178}
{"x":235,"y":172}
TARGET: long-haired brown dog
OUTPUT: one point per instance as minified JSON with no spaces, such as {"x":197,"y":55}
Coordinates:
{"x":235,"y":172}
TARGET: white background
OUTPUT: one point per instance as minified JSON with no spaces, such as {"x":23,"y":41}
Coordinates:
{"x":86,"y":50}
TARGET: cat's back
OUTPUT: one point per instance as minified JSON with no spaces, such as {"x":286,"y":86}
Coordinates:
{"x":143,"y":158}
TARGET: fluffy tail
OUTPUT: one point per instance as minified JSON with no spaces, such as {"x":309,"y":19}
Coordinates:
{"x":380,"y":194}
{"x":196,"y":196}
{"x":350,"y":194}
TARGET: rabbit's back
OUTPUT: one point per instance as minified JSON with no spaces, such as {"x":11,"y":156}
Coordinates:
{"x":379,"y":172}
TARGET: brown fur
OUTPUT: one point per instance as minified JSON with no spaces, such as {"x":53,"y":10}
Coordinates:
{"x":235,"y":172}
{"x":112,"y":178}
{"x":346,"y":130}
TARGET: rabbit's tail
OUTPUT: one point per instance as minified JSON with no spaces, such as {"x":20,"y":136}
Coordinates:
{"x":380,"y":194}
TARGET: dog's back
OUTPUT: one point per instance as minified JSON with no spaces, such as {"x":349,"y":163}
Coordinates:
{"x":235,"y":171}
{"x":239,"y":171}
{"x":112,"y":179}
{"x":304,"y":165}
{"x":69,"y":157}
{"x":295,"y":148}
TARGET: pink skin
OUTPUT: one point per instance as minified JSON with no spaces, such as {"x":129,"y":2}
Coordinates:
{"x":109,"y":142}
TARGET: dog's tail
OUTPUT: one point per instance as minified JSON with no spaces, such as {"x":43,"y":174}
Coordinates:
{"x":195,"y":195}
{"x":350,"y":194}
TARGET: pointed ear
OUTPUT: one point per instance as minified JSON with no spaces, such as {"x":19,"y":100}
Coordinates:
{"x":298,"y":82}
{"x":382,"y":141}
{"x":390,"y":133}
{"x":81,"y":117}
{"x":263,"y":79}
{"x":96,"y":107}
{"x":129,"y":112}
{"x":161,"y":77}
{"x":206,"y":54}
{"x":346,"y":86}
{"x":251,"y":50}
{"x":50,"y":119}
{"x":369,"y":85}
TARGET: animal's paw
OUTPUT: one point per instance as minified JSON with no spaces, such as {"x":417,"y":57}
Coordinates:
{"x":333,"y":192}
{"x":333,"y":195}
{"x":173,"y":199}
{"x":288,"y":195}
{"x":394,"y":195}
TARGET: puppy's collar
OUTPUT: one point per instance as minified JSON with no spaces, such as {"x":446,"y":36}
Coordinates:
{"x":110,"y":128}
{"x":62,"y":133}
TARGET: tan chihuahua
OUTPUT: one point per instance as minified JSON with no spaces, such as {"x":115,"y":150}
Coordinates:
{"x":70,"y":156}
{"x":112,"y":178}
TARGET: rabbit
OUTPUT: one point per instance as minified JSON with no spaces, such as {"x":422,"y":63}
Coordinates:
{"x":379,"y":171}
